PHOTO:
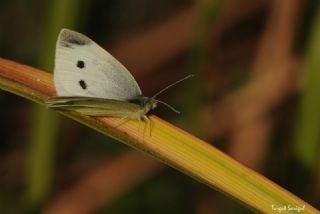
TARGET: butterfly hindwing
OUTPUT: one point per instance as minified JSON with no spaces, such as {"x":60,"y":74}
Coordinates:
{"x":95,"y":106}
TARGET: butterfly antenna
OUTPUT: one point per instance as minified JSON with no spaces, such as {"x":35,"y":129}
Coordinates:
{"x":169,"y":86}
{"x":169,"y":106}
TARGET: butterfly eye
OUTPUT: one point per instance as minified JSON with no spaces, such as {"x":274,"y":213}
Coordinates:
{"x":80,"y":64}
{"x":83,"y":84}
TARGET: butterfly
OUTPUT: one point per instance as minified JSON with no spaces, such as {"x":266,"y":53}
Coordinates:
{"x":89,"y":80}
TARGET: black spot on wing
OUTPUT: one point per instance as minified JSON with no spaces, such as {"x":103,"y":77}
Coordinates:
{"x":69,"y":38}
{"x":83,"y":84}
{"x":76,"y":41}
{"x":80,"y":64}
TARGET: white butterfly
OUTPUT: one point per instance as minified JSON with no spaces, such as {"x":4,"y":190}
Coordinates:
{"x":91,"y":81}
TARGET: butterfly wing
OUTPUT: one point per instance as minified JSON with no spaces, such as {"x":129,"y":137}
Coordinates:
{"x":96,"y":106}
{"x":83,"y":68}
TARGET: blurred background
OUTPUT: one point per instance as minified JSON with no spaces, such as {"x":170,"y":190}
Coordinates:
{"x":255,"y":96}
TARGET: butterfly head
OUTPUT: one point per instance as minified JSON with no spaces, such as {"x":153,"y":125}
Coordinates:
{"x":150,"y":103}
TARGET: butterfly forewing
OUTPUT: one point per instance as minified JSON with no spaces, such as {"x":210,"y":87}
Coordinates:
{"x":83,"y":68}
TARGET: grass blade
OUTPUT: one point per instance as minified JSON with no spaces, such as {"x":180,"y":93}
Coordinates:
{"x":169,"y":144}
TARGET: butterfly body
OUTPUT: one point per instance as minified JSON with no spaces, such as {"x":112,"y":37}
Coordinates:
{"x":91,"y":81}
